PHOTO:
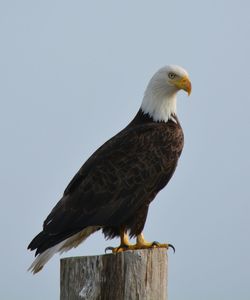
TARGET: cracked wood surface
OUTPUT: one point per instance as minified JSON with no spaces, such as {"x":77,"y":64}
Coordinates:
{"x":135,"y":275}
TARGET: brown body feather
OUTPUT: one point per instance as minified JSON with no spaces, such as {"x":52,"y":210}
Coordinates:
{"x":115,"y":186}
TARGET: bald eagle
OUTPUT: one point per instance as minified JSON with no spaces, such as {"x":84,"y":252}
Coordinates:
{"x":114,"y":187}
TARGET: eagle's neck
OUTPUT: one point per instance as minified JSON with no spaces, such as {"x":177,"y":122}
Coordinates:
{"x":159,"y":104}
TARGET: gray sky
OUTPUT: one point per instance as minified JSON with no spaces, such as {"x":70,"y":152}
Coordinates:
{"x":72,"y":74}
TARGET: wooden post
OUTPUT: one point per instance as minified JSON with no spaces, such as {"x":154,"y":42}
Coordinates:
{"x":129,"y":275}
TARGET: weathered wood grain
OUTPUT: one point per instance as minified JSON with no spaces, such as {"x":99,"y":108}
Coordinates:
{"x":140,"y":274}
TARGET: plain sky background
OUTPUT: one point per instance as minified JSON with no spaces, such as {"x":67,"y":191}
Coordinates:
{"x":72,"y":74}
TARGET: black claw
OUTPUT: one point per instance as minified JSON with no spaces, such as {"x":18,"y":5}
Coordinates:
{"x":124,"y":246}
{"x":109,"y":248}
{"x":155,"y":243}
{"x":171,"y":246}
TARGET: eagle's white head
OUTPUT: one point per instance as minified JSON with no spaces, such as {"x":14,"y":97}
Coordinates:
{"x":159,"y":100}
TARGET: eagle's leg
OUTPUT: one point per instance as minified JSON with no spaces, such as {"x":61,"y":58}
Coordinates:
{"x":124,"y":245}
{"x":141,"y":243}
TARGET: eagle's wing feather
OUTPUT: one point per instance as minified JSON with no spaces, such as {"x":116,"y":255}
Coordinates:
{"x":123,"y":174}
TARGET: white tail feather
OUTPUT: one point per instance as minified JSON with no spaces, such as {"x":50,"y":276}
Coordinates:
{"x":61,"y":247}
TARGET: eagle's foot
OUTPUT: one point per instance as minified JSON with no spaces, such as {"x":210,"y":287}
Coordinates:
{"x":148,"y":245}
{"x":158,"y":245}
{"x":141,"y":243}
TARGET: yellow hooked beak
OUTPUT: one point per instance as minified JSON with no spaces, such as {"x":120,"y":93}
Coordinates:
{"x":184,"y":83}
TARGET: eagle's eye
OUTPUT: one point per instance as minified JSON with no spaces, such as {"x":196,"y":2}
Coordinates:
{"x":171,"y":75}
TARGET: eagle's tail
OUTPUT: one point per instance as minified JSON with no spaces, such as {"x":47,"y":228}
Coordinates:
{"x":62,"y":246}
